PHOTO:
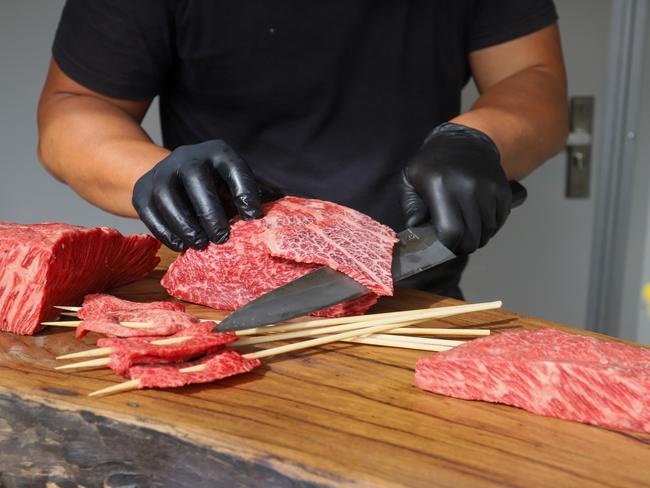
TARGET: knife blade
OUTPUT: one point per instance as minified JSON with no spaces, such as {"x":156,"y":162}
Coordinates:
{"x":418,"y":249}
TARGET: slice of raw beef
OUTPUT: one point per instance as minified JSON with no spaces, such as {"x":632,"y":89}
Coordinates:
{"x":219,"y":365}
{"x":126,"y":353}
{"x":97,"y":304}
{"x":550,"y":373}
{"x":164,"y":323}
{"x":295,"y":237}
{"x":48,"y":264}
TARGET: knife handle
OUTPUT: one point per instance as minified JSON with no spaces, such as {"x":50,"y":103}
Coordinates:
{"x":519,"y":193}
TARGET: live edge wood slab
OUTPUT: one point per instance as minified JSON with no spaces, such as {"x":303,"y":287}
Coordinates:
{"x":350,"y":416}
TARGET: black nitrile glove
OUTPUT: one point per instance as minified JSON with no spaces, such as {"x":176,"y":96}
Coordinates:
{"x":178,"y":201}
{"x":456,"y":181}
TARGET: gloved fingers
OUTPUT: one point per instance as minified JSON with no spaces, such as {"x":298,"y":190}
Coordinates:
{"x":504,"y":205}
{"x":201,"y":189}
{"x":239,"y":178}
{"x":155,"y":223}
{"x":488,"y":207}
{"x":472,"y":232}
{"x":413,"y":207}
{"x":446,"y":214}
{"x":150,"y":216}
{"x":175,"y":208}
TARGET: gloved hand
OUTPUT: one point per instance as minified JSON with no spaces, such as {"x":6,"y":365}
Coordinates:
{"x":178,"y":201}
{"x":456,"y":181}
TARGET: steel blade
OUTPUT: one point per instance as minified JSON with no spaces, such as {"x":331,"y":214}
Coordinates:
{"x":317,"y":290}
{"x":418,"y":250}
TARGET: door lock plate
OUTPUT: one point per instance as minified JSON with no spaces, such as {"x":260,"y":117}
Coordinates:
{"x":579,"y":147}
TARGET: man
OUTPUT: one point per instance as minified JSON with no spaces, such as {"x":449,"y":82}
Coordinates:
{"x":329,"y":99}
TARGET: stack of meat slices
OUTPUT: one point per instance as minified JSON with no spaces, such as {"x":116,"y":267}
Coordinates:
{"x":295,"y":237}
{"x":140,"y":353}
{"x":42,"y":265}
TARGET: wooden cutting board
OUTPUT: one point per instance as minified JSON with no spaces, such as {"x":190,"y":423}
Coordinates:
{"x":341,"y":415}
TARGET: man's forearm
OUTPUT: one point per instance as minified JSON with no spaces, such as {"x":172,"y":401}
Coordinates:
{"x":95,"y":147}
{"x":525,"y":115}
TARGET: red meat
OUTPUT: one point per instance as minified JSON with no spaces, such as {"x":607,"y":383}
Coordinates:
{"x":97,"y":304}
{"x":165,"y":323}
{"x":219,"y":365}
{"x":42,"y":265}
{"x":550,"y":373}
{"x":295,"y":237}
{"x":128,"y":352}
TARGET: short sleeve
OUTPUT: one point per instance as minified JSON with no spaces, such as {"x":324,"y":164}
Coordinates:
{"x":497,"y":21}
{"x":119,"y":48}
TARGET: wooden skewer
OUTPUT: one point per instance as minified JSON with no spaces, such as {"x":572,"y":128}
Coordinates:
{"x":143,"y":325}
{"x":459,"y":309}
{"x":134,"y":384}
{"x":373,"y":341}
{"x":125,"y":386}
{"x":67,"y":308}
{"x":395,"y":340}
{"x":314,"y":332}
{"x":397,"y":317}
{"x":105,"y":351}
{"x":405,"y":319}
{"x":77,"y":323}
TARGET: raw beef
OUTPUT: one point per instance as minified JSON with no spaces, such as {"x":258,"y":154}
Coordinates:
{"x":295,"y":237}
{"x":97,"y":304}
{"x":129,"y":352}
{"x":48,"y":264}
{"x":165,"y":323}
{"x":219,"y":365}
{"x":550,"y":373}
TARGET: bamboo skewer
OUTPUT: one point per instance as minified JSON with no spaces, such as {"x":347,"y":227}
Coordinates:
{"x":460,"y":309}
{"x":394,"y":341}
{"x":248,"y":341}
{"x":67,"y":308}
{"x":403,"y":318}
{"x":373,"y":341}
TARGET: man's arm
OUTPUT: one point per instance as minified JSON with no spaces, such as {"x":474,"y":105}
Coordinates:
{"x":523,"y":102}
{"x":94,"y":143}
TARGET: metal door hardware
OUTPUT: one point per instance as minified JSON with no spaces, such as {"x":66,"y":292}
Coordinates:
{"x":579,"y":147}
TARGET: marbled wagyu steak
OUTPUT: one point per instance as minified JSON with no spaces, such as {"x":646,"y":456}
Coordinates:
{"x":48,"y":264}
{"x":548,"y":372}
{"x":295,"y":237}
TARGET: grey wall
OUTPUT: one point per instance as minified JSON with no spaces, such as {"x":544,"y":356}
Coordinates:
{"x":27,"y":192}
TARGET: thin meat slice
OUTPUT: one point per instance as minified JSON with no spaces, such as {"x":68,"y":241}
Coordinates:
{"x":251,"y":263}
{"x":42,"y":265}
{"x":548,"y":372}
{"x":165,"y":323}
{"x":129,"y":352}
{"x":219,"y":365}
{"x":319,"y":232}
{"x":98,"y":304}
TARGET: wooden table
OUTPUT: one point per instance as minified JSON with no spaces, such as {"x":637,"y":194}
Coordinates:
{"x":345,"y":414}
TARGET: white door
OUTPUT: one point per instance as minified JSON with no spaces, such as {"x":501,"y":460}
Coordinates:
{"x":539,"y":262}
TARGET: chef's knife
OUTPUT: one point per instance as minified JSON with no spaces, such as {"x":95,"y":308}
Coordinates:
{"x":418,"y":250}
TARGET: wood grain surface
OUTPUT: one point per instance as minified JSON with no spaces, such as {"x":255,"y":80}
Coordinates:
{"x":343,"y":414}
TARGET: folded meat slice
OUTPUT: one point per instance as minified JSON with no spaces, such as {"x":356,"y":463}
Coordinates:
{"x":296,"y":236}
{"x":219,"y":365}
{"x":98,"y":304}
{"x":548,"y":372}
{"x":128,"y":352}
{"x":164,"y":323}
{"x":42,"y":265}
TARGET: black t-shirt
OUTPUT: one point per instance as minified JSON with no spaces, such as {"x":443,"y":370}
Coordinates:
{"x":327,"y":99}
